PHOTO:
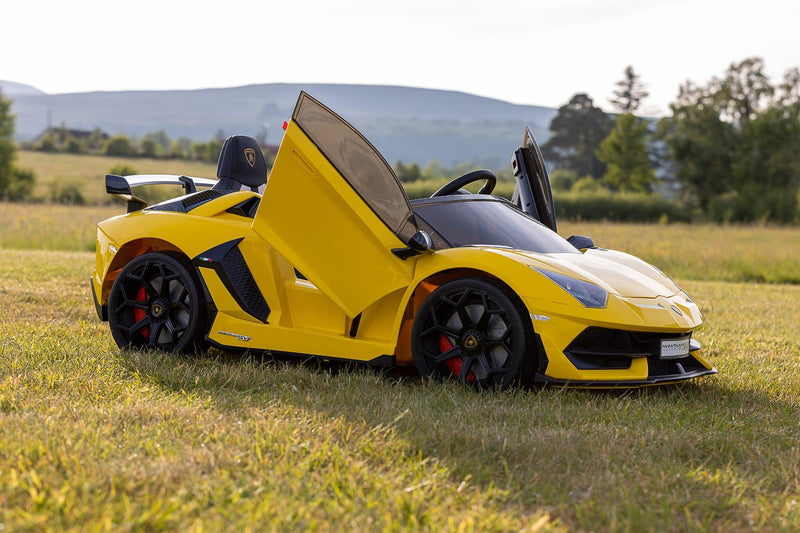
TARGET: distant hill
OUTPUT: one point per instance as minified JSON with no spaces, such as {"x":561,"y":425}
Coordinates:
{"x":11,"y":88}
{"x":412,"y":124}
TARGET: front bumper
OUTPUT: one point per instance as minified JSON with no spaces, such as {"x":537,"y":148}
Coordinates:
{"x":649,"y":381}
{"x":618,"y":346}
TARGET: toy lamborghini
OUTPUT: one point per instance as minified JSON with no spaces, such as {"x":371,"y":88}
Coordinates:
{"x":329,"y":258}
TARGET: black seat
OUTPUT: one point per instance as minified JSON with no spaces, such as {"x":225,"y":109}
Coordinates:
{"x":240,"y":164}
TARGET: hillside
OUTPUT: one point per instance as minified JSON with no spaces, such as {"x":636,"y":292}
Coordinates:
{"x":14,"y":89}
{"x":412,"y":124}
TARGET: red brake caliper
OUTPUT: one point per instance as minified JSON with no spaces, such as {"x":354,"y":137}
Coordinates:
{"x":454,"y":363}
{"x":139,"y":314}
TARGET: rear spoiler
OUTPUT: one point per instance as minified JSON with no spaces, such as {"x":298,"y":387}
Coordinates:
{"x":121,"y":186}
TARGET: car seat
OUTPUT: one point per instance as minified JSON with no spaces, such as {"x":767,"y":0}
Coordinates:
{"x":241,"y":164}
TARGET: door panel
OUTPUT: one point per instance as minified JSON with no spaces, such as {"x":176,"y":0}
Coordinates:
{"x":532,"y":192}
{"x":313,"y":217}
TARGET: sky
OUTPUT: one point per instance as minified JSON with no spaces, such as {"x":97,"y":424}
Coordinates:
{"x":537,"y":52}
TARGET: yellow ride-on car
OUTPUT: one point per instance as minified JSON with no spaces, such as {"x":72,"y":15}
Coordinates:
{"x":332,"y":260}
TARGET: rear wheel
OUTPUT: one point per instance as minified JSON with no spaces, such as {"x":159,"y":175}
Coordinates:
{"x":474,"y":331}
{"x":155,"y":302}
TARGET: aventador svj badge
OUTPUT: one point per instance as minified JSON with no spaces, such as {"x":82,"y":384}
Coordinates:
{"x":250,"y":156}
{"x":243,"y":338}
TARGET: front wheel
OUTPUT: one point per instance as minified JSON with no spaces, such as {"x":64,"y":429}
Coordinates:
{"x":155,"y":303}
{"x":474,"y":331}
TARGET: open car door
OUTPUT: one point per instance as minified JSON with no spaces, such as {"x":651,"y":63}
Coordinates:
{"x":532,"y":192}
{"x":334,"y":208}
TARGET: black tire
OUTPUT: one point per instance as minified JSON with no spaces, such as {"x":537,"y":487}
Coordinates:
{"x":156,"y":303}
{"x":475,"y":331}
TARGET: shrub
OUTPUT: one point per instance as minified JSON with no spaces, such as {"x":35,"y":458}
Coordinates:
{"x":20,"y":186}
{"x":563,"y":180}
{"x":122,"y":169}
{"x":119,"y":145}
{"x":65,"y":191}
{"x":620,"y":207}
{"x":48,"y":144}
{"x":75,"y":146}
{"x":587,"y":184}
{"x":597,"y":205}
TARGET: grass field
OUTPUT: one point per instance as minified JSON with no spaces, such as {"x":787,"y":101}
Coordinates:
{"x":88,"y":171}
{"x":98,"y":439}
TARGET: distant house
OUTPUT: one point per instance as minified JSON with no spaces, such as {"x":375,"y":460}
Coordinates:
{"x":62,"y":133}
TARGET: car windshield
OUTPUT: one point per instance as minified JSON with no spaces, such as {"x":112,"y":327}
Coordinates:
{"x":487,"y":221}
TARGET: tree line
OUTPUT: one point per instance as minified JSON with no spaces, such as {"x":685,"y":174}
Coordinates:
{"x":155,"y":144}
{"x":732,"y":144}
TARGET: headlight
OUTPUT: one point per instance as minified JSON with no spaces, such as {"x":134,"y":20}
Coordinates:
{"x":589,"y":294}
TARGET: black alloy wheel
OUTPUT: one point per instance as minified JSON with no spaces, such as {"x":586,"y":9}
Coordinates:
{"x":475,"y":331}
{"x":155,"y":303}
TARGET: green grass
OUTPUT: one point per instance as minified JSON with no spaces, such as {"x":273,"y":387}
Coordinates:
{"x":98,"y":439}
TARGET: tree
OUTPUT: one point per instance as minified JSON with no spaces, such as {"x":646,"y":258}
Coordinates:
{"x":789,"y":93}
{"x":160,"y":138}
{"x":744,"y":91}
{"x":577,"y":131}
{"x":15,"y":184}
{"x":407,"y":173}
{"x":8,"y":150}
{"x":765,"y":168}
{"x":735,"y":141}
{"x":119,"y":145}
{"x":149,"y":148}
{"x":213,"y":148}
{"x":75,"y":146}
{"x":624,"y":151}
{"x":199,"y":150}
{"x":48,"y":144}
{"x":630,"y":93}
{"x":95,"y":140}
{"x":699,"y":144}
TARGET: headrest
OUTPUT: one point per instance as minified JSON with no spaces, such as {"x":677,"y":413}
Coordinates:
{"x":241,"y":160}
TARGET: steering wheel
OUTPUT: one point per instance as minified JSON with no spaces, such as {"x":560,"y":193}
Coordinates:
{"x":476,"y":175}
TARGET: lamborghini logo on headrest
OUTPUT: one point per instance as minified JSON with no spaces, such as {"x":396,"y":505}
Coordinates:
{"x":250,"y":156}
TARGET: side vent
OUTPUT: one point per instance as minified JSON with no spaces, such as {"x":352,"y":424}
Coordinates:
{"x":229,"y":264}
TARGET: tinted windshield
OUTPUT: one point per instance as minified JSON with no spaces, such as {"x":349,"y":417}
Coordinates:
{"x":490,"y":222}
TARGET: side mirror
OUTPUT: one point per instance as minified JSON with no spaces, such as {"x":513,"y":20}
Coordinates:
{"x":419,"y":243}
{"x":581,"y":242}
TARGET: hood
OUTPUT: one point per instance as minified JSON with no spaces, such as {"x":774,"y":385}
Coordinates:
{"x":617,"y":272}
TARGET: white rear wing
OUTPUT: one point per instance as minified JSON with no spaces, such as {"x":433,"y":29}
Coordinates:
{"x":122,"y":186}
